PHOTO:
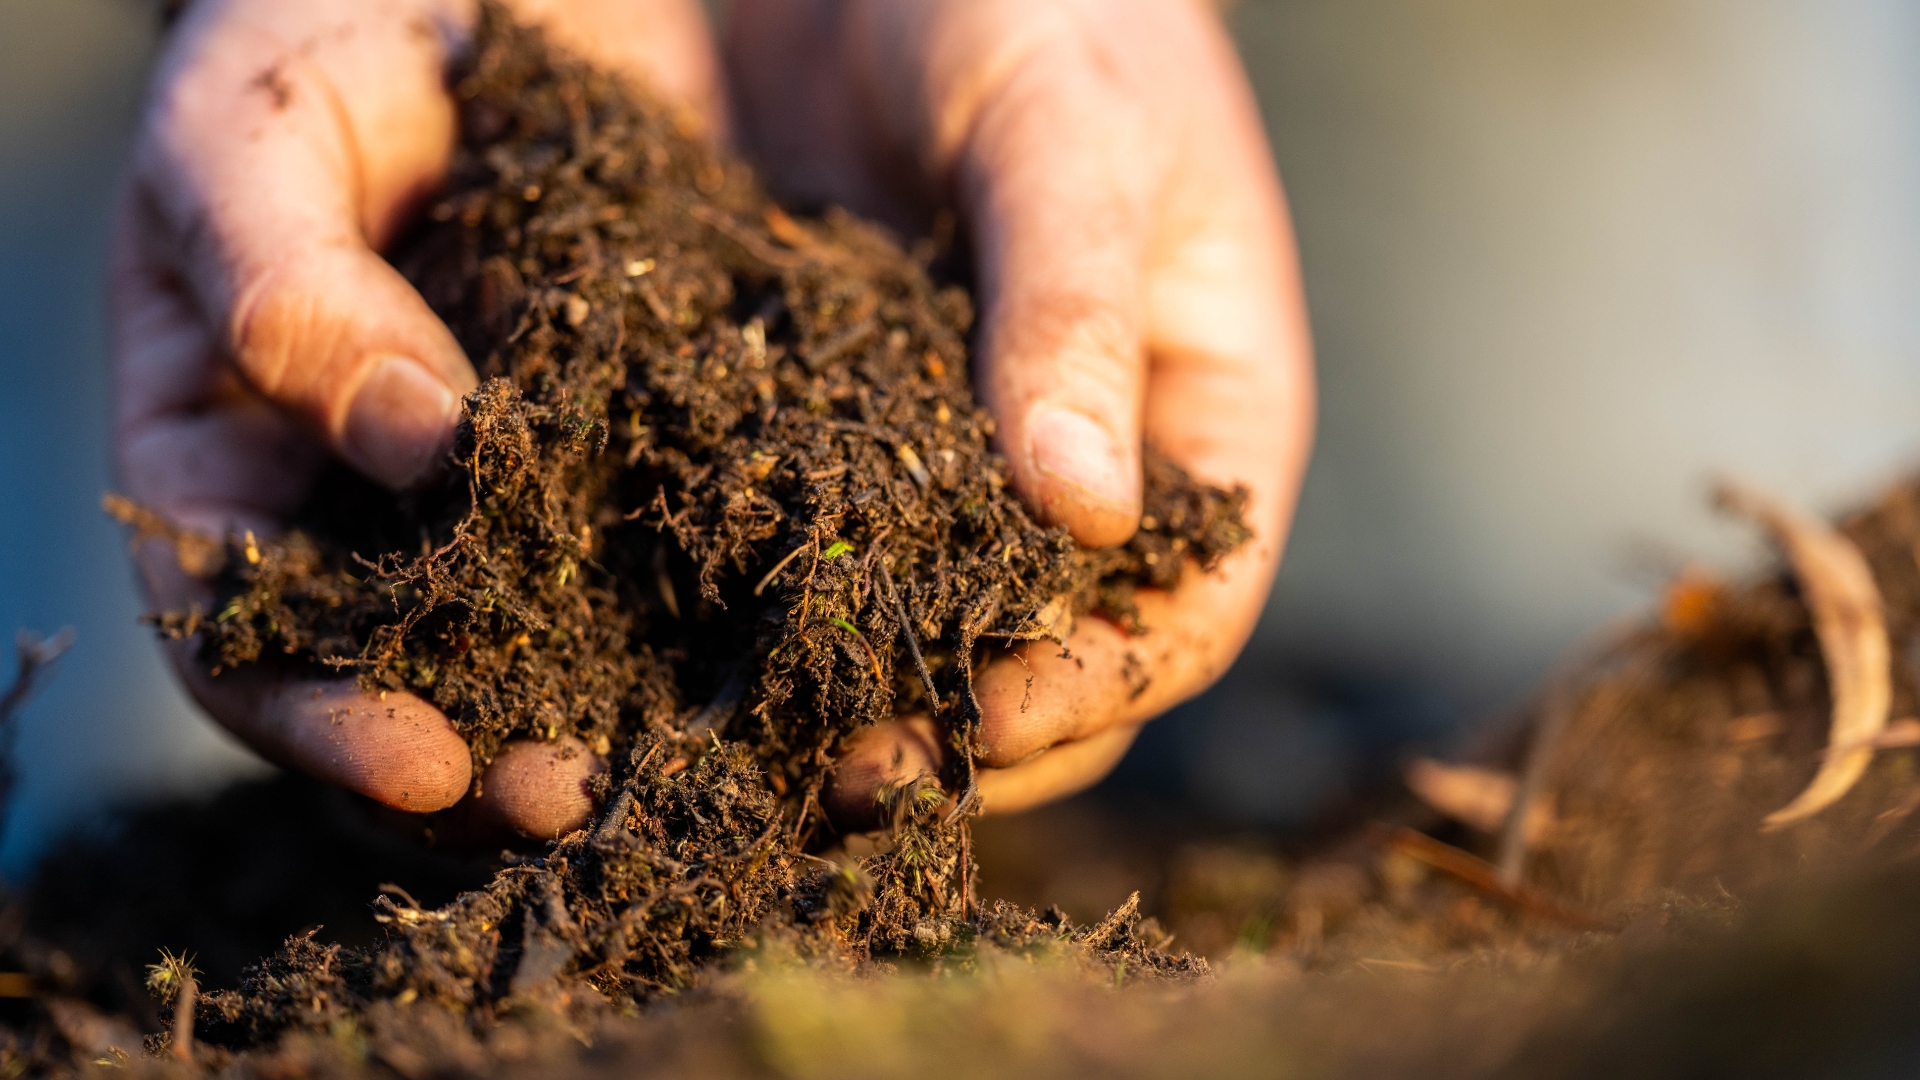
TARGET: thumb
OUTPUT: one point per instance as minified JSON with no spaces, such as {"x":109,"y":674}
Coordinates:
{"x":1055,"y":178}
{"x":254,"y":186}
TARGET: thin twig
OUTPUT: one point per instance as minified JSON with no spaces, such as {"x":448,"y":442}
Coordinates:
{"x":806,"y":807}
{"x":183,"y":1017}
{"x":913,"y":644}
{"x":1482,"y":876}
{"x":615,"y":821}
{"x":781,"y":565}
{"x":878,"y":675}
{"x":35,"y":654}
{"x":1576,"y":670}
{"x":714,"y":717}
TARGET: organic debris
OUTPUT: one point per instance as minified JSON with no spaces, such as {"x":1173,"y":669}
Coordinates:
{"x":1676,"y":741}
{"x":1485,"y":877}
{"x":34,"y":656}
{"x":1847,"y":617}
{"x":723,"y":499}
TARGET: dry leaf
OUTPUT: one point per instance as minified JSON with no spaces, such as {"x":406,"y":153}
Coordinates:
{"x":1848,"y":620}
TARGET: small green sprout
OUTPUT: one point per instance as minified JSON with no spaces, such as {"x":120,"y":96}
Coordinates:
{"x":836,"y":549}
{"x":167,"y":978}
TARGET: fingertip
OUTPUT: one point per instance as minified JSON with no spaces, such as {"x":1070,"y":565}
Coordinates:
{"x":1084,"y":477}
{"x":886,"y":753}
{"x":1013,"y":726}
{"x":1061,"y":771}
{"x":393,"y":748}
{"x":539,"y":789}
{"x":400,"y":421}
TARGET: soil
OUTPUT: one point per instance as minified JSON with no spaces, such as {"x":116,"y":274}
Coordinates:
{"x":724,"y":499}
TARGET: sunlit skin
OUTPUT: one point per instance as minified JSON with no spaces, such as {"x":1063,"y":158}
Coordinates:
{"x":1137,"y":283}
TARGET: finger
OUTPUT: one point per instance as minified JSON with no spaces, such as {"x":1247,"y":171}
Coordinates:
{"x":665,"y":45}
{"x":1231,"y":401}
{"x":277,"y":150}
{"x":1041,"y":695}
{"x":1227,"y":327}
{"x":889,"y":753}
{"x":397,"y":750}
{"x":1062,"y":228}
{"x":191,"y":439}
{"x":1062,"y":771}
{"x":538,"y":789}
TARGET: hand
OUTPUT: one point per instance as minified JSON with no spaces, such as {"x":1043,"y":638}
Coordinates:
{"x":1137,"y":282}
{"x":256,"y":328}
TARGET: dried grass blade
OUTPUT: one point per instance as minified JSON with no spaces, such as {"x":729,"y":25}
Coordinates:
{"x":1850,"y":624}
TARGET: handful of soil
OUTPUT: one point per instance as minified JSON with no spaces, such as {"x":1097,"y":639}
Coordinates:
{"x":723,"y":498}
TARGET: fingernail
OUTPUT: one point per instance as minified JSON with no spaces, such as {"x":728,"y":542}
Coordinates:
{"x":399,"y":421}
{"x":1075,"y":449}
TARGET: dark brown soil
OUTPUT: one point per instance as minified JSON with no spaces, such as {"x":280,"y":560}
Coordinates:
{"x":1349,"y":959}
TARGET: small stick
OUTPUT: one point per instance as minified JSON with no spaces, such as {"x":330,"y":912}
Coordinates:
{"x":183,"y":1017}
{"x":35,"y":656}
{"x":966,"y":871}
{"x":1516,"y":834}
{"x":1483,"y":877}
{"x":913,"y":644}
{"x":615,"y":821}
{"x":878,"y":675}
{"x":1531,"y":785}
{"x":781,"y":565}
{"x":717,"y":712}
{"x":799,"y":823}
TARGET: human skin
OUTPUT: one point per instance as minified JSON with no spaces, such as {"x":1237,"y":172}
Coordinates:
{"x":1137,"y":282}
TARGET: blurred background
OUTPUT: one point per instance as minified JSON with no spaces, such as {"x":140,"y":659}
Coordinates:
{"x":1566,"y":262}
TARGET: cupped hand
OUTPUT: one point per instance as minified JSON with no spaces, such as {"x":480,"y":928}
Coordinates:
{"x":256,"y":329}
{"x":1137,"y":284}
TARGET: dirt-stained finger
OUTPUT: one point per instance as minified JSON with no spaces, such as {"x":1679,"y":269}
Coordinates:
{"x":538,"y":789}
{"x":1042,"y":695}
{"x":399,"y":751}
{"x":893,"y":752}
{"x":1057,"y":773}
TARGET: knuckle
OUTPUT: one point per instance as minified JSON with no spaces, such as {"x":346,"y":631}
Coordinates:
{"x":269,"y":316}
